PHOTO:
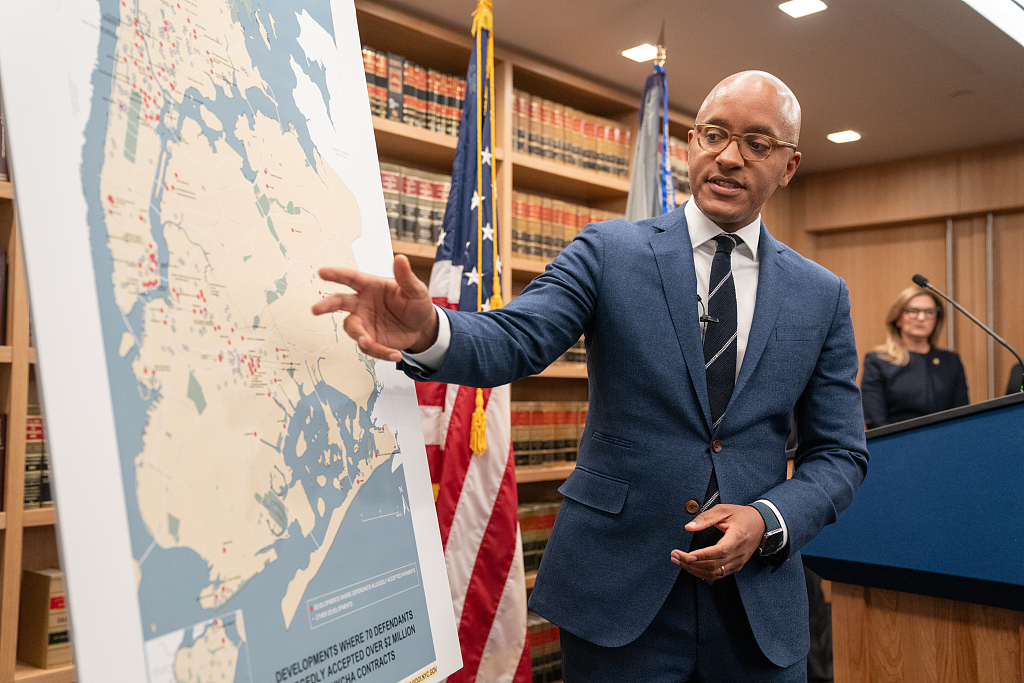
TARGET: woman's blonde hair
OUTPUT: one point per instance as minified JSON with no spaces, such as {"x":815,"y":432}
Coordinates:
{"x":893,"y":350}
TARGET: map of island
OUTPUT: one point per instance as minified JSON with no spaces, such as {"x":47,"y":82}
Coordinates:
{"x":250,"y":430}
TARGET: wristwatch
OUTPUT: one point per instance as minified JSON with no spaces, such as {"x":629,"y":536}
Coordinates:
{"x":771,"y":542}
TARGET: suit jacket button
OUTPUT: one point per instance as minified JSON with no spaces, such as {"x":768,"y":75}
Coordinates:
{"x":716,"y":445}
{"x":692,"y":506}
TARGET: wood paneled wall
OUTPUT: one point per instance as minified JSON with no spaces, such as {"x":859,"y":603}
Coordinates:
{"x":876,"y":226}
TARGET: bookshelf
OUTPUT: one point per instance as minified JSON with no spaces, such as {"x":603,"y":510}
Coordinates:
{"x":29,"y":539}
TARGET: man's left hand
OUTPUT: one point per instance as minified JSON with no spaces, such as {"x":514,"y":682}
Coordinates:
{"x":743,"y":530}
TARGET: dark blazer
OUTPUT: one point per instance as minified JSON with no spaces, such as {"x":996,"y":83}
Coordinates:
{"x":646,"y":449}
{"x":929,"y":383}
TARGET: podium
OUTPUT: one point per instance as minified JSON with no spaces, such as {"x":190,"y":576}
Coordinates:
{"x":927,"y":563}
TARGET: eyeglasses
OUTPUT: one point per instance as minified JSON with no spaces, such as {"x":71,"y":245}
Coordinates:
{"x":752,"y":146}
{"x":926,"y":312}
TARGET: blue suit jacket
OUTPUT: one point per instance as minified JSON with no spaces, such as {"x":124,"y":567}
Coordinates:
{"x":646,"y":450}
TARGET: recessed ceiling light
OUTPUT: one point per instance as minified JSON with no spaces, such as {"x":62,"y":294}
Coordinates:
{"x":641,"y":53}
{"x":844,"y":136}
{"x":801,"y":8}
{"x":1007,"y":15}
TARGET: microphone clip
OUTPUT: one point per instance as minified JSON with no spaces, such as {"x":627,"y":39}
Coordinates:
{"x":708,"y":319}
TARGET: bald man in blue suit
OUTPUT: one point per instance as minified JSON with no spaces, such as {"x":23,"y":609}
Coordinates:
{"x":638,"y":593}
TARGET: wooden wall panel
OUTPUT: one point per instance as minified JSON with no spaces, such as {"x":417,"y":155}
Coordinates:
{"x":882,"y":636}
{"x":1008,"y":258}
{"x":877,"y":265}
{"x":992,"y":178}
{"x":969,"y":278}
{"x":886,"y":193}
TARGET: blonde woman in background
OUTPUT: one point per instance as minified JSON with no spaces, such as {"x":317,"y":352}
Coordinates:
{"x":908,"y":376}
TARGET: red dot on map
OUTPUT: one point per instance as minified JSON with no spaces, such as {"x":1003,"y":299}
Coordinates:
{"x":110,"y":211}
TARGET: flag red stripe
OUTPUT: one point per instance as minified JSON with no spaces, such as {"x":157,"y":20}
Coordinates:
{"x":524,"y":674}
{"x":434,"y":462}
{"x":443,"y":302}
{"x":430,"y":393}
{"x":490,"y":572}
{"x":457,"y":456}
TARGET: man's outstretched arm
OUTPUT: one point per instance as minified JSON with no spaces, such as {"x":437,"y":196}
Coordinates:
{"x":386,"y":316}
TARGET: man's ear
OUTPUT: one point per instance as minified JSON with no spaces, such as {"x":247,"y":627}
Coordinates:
{"x":791,"y":167}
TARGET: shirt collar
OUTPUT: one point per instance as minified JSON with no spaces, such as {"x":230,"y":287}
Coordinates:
{"x":703,"y":229}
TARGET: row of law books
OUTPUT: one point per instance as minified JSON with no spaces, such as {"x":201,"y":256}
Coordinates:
{"x":545,"y":649}
{"x":569,"y":136}
{"x":679,"y":158}
{"x":547,"y":432}
{"x":535,"y":523}
{"x":401,"y":90}
{"x":37,"y":491}
{"x":577,"y":353}
{"x":542,"y":227}
{"x":415,"y":202}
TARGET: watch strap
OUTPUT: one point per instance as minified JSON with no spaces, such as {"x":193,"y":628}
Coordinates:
{"x":771,"y":542}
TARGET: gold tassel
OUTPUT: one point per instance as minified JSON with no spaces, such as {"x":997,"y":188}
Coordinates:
{"x":478,"y":428}
{"x":496,"y":301}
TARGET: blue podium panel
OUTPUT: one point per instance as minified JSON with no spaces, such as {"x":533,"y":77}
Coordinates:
{"x":941,"y":511}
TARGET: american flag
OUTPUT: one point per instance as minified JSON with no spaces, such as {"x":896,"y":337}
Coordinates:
{"x":474,"y":482}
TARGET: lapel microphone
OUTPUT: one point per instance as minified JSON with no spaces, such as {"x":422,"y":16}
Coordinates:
{"x":705,"y":318}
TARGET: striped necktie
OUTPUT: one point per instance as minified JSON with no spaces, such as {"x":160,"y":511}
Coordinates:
{"x":719,"y":359}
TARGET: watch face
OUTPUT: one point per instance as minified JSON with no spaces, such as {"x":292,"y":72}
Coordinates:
{"x":771,"y":542}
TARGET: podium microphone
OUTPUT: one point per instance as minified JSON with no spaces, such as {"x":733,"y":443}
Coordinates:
{"x":922,"y":281}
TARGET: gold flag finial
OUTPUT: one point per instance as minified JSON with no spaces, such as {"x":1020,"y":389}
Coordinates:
{"x":483,"y":16}
{"x":659,"y":60}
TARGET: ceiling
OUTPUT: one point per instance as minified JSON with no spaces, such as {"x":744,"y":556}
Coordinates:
{"x":913,"y":77}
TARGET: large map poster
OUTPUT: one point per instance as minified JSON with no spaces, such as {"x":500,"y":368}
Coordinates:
{"x":270,"y":476}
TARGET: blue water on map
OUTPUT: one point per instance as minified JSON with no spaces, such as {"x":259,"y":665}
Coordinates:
{"x":376,"y":535}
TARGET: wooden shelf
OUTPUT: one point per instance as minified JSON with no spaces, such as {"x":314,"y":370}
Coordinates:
{"x":525,"y":475}
{"x":420,"y":255}
{"x":417,"y":146}
{"x":565,"y":370}
{"x":527,"y":267}
{"x":5,"y":354}
{"x":6,"y":190}
{"x":61,"y":674}
{"x":545,"y":176}
{"x":531,"y":578}
{"x":39,"y":517}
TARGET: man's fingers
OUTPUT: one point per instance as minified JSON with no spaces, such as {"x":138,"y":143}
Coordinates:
{"x":349,"y":277}
{"x":334,"y":303}
{"x":709,"y":518}
{"x":354,"y":328}
{"x":412,"y":287}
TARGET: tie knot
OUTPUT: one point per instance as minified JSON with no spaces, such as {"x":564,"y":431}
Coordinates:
{"x":726,"y":242}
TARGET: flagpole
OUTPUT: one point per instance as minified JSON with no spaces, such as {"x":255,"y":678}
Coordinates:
{"x":483,"y":20}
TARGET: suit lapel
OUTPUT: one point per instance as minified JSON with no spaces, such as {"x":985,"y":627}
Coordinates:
{"x":770,"y":293}
{"x":673,"y":252}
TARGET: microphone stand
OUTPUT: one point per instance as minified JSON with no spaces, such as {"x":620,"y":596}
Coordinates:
{"x":922,"y":281}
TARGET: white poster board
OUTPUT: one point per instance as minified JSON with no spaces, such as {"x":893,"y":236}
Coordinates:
{"x":241,"y":495}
